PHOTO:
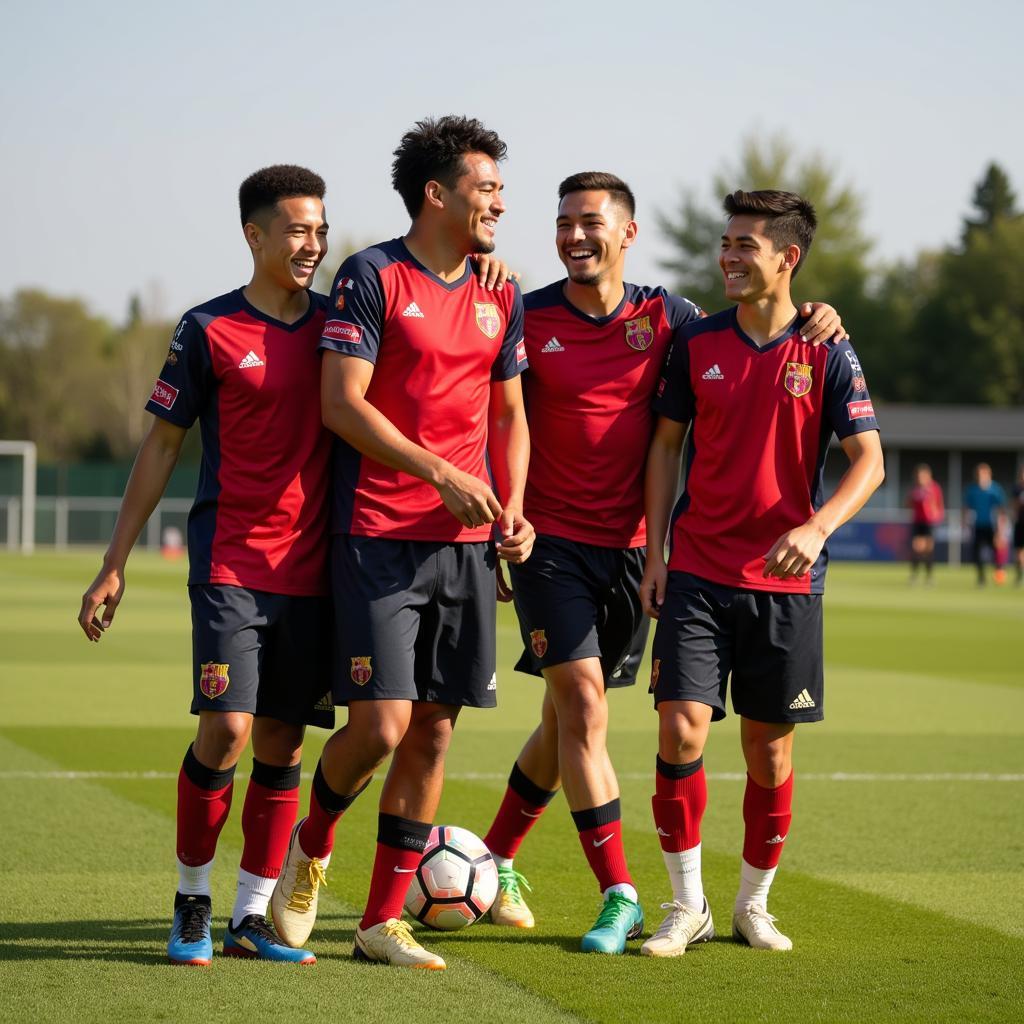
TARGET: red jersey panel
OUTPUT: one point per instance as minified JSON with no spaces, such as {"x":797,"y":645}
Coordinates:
{"x":926,"y":504}
{"x":761,"y":422}
{"x":588,"y":399}
{"x":436,"y":348}
{"x":260,"y":515}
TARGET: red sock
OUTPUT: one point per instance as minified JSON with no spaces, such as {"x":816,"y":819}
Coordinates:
{"x":204,"y":799}
{"x":681,"y":796}
{"x":400,"y":844}
{"x":523,"y":804}
{"x":271,"y":805}
{"x":316,"y":835}
{"x":767,"y":814}
{"x":600,"y":830}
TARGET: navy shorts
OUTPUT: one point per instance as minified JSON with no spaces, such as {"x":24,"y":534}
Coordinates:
{"x":922,"y":530}
{"x":265,"y":654}
{"x":770,"y":643}
{"x":579,"y":601}
{"x":414,"y":620}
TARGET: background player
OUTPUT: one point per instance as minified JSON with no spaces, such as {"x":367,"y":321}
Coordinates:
{"x":984,"y":502}
{"x":420,"y":382}
{"x":927,"y":510}
{"x":246,"y":365}
{"x":742,"y":590}
{"x":596,"y":346}
{"x":1018,"y":527}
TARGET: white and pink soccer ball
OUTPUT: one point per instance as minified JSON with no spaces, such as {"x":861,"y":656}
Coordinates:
{"x":456,"y":882}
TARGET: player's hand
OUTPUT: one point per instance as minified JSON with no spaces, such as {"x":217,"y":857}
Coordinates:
{"x":794,"y":552}
{"x":652,"y":587}
{"x":824,"y":323}
{"x":504,"y":587}
{"x":105,"y":591}
{"x":492,"y":273}
{"x":470,"y":500}
{"x":516,"y":536}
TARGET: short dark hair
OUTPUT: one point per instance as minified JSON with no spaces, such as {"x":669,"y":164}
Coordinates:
{"x":600,"y":181}
{"x":433,"y":151}
{"x":265,"y":188}
{"x":790,"y":219}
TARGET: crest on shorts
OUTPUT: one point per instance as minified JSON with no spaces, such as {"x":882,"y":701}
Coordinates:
{"x":213,"y":679}
{"x":655,"y":672}
{"x":639,"y":333}
{"x":361,"y":670}
{"x":798,"y":379}
{"x":538,"y":642}
{"x":487,"y":318}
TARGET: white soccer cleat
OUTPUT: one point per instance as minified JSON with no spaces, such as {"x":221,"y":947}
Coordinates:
{"x":683,"y":927}
{"x":756,"y":927}
{"x":295,"y":896}
{"x":391,"y":942}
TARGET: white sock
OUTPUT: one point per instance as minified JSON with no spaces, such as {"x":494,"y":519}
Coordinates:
{"x":684,"y":874}
{"x":194,"y":880}
{"x":625,"y":888}
{"x":754,"y":886}
{"x":251,"y":896}
{"x":502,"y":862}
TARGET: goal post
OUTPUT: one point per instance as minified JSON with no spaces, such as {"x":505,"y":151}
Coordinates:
{"x":27,"y":451}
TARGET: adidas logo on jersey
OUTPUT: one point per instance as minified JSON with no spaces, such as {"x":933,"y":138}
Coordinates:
{"x":803,"y":700}
{"x":553,"y":346}
{"x":250,"y":361}
{"x":715,"y":373}
{"x":412,"y":310}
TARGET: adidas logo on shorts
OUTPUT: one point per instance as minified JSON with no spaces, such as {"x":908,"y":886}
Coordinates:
{"x":803,"y":700}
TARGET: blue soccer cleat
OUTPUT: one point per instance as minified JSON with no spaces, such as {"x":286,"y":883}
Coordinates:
{"x":190,"y":942}
{"x":254,"y":939}
{"x":620,"y":919}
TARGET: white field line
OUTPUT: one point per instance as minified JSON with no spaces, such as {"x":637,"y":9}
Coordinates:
{"x":87,"y":776}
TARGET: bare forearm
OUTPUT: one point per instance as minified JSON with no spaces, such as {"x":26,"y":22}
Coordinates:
{"x":659,"y":492}
{"x":858,"y":483}
{"x":508,"y":448}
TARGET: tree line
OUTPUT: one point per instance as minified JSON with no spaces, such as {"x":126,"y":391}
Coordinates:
{"x":944,"y":327}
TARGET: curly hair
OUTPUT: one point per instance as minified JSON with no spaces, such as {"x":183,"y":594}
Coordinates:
{"x":600,"y":181}
{"x":433,"y":151}
{"x":265,"y":188}
{"x":789,"y":218}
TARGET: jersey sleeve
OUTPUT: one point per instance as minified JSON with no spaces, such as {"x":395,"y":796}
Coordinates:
{"x":848,"y":407}
{"x":511,"y":358}
{"x":682,"y":311}
{"x":355,"y":315}
{"x":187,"y":379}
{"x":674,"y":397}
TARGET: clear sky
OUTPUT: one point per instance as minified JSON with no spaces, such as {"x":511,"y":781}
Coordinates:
{"x":125,"y":128}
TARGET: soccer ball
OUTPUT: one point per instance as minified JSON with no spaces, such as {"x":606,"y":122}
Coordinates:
{"x":456,"y":882}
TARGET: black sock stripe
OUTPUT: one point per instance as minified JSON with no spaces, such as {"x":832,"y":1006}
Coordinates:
{"x":679,"y":771}
{"x":519,"y":783}
{"x":205,"y":778}
{"x":402,"y":833}
{"x":333,"y":803}
{"x":274,"y":776}
{"x":592,"y":817}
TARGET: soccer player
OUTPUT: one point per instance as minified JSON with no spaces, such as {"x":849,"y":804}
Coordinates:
{"x":1018,"y":527}
{"x":421,"y":384}
{"x":926,"y":511}
{"x":596,"y":346}
{"x":246,"y":366}
{"x":984,"y":502}
{"x":741,"y":593}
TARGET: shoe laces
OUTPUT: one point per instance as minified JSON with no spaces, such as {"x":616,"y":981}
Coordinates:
{"x":679,"y":919}
{"x":615,"y":908}
{"x":195,"y":918}
{"x":311,"y":872}
{"x":760,"y":917}
{"x":258,"y":923}
{"x":401,"y":932}
{"x":509,"y":881}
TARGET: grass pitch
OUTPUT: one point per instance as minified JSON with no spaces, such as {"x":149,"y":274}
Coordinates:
{"x":901,"y":885}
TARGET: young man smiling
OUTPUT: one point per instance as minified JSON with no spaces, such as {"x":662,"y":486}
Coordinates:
{"x":246,"y":366}
{"x":596,"y":347}
{"x":421,"y":384}
{"x":741,"y":594}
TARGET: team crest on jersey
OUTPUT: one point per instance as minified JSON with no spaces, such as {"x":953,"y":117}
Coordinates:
{"x":487,"y":318}
{"x":538,"y":642}
{"x":639,"y":333}
{"x":655,"y":672}
{"x":361,"y":671}
{"x":213,"y":679}
{"x":798,"y":379}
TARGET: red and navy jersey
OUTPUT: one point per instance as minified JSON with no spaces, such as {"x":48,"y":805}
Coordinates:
{"x":926,"y":504}
{"x":436,"y":348}
{"x":588,"y":400}
{"x":260,"y":515}
{"x":762,"y":418}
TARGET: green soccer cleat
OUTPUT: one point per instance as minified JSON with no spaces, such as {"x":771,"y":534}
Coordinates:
{"x":509,"y":907}
{"x":620,"y":919}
